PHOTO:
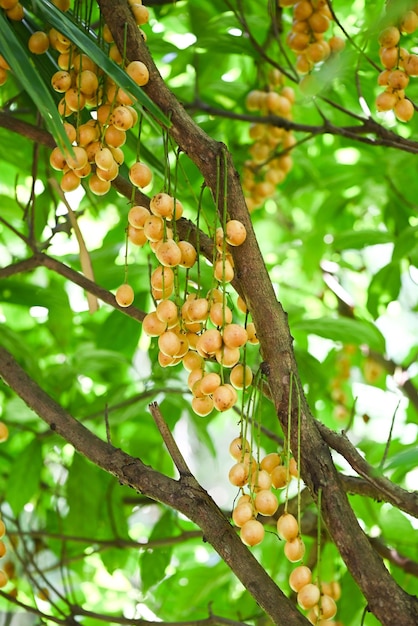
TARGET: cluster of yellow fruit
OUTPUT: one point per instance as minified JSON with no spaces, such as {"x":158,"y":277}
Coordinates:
{"x":270,"y":160}
{"x":97,"y":143}
{"x":4,"y":434}
{"x":399,"y":66}
{"x":196,"y":331}
{"x":318,"y":600}
{"x":260,"y":478}
{"x":13,"y":9}
{"x":311,"y":20}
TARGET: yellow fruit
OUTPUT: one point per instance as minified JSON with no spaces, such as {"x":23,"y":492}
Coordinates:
{"x":287,"y":527}
{"x":97,"y":186}
{"x":235,"y":232}
{"x":294,"y":550}
{"x":4,"y":432}
{"x":209,"y":383}
{"x":38,"y":42}
{"x":224,"y":397}
{"x":238,"y":448}
{"x":3,"y":549}
{"x":137,"y":237}
{"x":252,"y":532}
{"x":188,"y":254}
{"x":266,"y":502}
{"x":241,"y":376}
{"x":153,"y":326}
{"x":2,"y":528}
{"x":242,"y":513}
{"x":124,"y":295}
{"x":138,"y":71}
{"x":279,"y":477}
{"x":238,"y":474}
{"x":234,"y":335}
{"x":61,"y":81}
{"x":300,"y":577}
{"x":140,"y":174}
{"x":308,"y":596}
{"x":326,"y":607}
{"x":168,"y":253}
{"x":404,"y":110}
{"x":202,"y":406}
{"x":209,"y":342}
{"x":162,"y":204}
{"x":162,"y":277}
{"x":70,"y":181}
{"x":169,"y":343}
{"x":223,"y":270}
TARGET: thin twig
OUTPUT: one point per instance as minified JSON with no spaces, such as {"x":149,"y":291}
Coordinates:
{"x":169,"y":440}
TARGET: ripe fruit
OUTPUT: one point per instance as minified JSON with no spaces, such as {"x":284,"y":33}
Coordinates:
{"x":243,"y":513}
{"x":287,"y":527}
{"x":238,"y":447}
{"x":124,"y":295}
{"x":300,"y":577}
{"x":241,"y":376}
{"x":169,"y":343}
{"x":252,"y":532}
{"x":4,"y":434}
{"x":138,"y":71}
{"x":308,"y":596}
{"x":137,"y":216}
{"x":202,"y":406}
{"x":38,"y":42}
{"x":266,"y":502}
{"x":235,"y":233}
{"x":140,"y":174}
{"x":279,"y":476}
{"x":294,"y":550}
{"x":326,"y":608}
{"x":234,"y":335}
{"x":163,"y":205}
{"x":2,"y":528}
{"x":224,"y":397}
{"x":270,"y":461}
{"x":3,"y":549}
{"x":238,"y":474}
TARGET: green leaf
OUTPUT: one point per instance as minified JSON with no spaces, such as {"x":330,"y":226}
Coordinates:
{"x":153,"y":563}
{"x":24,"y":478}
{"x":360,"y":239}
{"x":62,"y":22}
{"x":384,"y":287}
{"x":23,"y":67}
{"x":346,"y":330}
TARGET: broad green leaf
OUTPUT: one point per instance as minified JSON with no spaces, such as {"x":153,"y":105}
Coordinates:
{"x":153,"y":563}
{"x":406,"y":245}
{"x":360,"y":239}
{"x":346,"y":330}
{"x":23,"y":67}
{"x":25,"y":475}
{"x":384,"y":287}
{"x":62,"y":22}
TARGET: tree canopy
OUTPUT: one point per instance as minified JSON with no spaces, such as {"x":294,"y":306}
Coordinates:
{"x":208,"y":312}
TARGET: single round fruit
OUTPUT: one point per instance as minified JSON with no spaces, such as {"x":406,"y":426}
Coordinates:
{"x":167,"y":312}
{"x":242,"y":513}
{"x":300,"y":577}
{"x":308,"y":596}
{"x":188,"y":254}
{"x":326,"y":607}
{"x":209,"y":383}
{"x":404,"y":110}
{"x":294,"y":550}
{"x":140,"y":174}
{"x":220,"y":314}
{"x":202,"y":406}
{"x":209,"y":342}
{"x":162,"y":277}
{"x":238,"y":474}
{"x":279,"y":477}
{"x":266,"y":502}
{"x":260,"y":480}
{"x":270,"y":461}
{"x":137,"y":216}
{"x":287,"y":527}
{"x":169,"y":343}
{"x":97,"y":186}
{"x":138,"y":71}
{"x":238,"y":448}
{"x":241,"y":376}
{"x":124,"y":295}
{"x":168,"y":253}
{"x":4,"y":432}
{"x":153,"y":326}
{"x":234,"y":335}
{"x":252,"y":532}
{"x":235,"y":233}
{"x":162,"y":204}
{"x":192,"y":361}
{"x":38,"y":42}
{"x":224,"y":397}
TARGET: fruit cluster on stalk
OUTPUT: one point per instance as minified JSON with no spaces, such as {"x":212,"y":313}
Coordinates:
{"x":270,"y":160}
{"x":399,"y":64}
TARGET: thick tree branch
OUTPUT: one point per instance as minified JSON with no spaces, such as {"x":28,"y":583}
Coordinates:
{"x":385,"y":598}
{"x":184,"y":495}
